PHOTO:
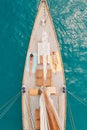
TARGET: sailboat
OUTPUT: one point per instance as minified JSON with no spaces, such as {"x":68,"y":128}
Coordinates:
{"x":43,"y":85}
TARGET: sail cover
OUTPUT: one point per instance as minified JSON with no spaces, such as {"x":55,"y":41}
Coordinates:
{"x":43,"y":115}
{"x":48,"y":116}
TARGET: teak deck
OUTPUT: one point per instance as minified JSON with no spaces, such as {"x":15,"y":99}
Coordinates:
{"x":32,"y":82}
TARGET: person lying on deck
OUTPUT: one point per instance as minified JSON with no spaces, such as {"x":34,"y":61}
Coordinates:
{"x":54,"y":60}
{"x":31,"y":63}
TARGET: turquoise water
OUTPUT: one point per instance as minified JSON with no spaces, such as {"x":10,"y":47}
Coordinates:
{"x":16,"y":22}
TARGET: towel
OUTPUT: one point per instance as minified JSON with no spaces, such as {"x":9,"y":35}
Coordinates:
{"x":59,"y":67}
{"x":35,"y":59}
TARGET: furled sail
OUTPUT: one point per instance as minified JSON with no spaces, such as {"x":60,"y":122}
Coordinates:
{"x":43,"y":115}
{"x":48,"y":116}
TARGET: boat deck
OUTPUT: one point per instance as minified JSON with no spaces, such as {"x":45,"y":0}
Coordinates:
{"x":29,"y":80}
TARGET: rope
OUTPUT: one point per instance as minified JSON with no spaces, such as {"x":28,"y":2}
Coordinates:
{"x":30,"y":126}
{"x":30,"y":114}
{"x":10,"y":100}
{"x":9,"y":105}
{"x":71,"y":116}
{"x":78,"y":98}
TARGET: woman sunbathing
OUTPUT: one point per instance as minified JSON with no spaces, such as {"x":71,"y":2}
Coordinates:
{"x":54,"y":60}
{"x":31,"y":63}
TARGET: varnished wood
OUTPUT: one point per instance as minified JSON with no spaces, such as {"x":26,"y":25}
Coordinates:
{"x":37,"y":119}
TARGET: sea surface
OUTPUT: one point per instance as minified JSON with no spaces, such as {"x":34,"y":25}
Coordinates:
{"x":16,"y":22}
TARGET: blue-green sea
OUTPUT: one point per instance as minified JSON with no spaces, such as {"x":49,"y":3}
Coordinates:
{"x":16,"y":23}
